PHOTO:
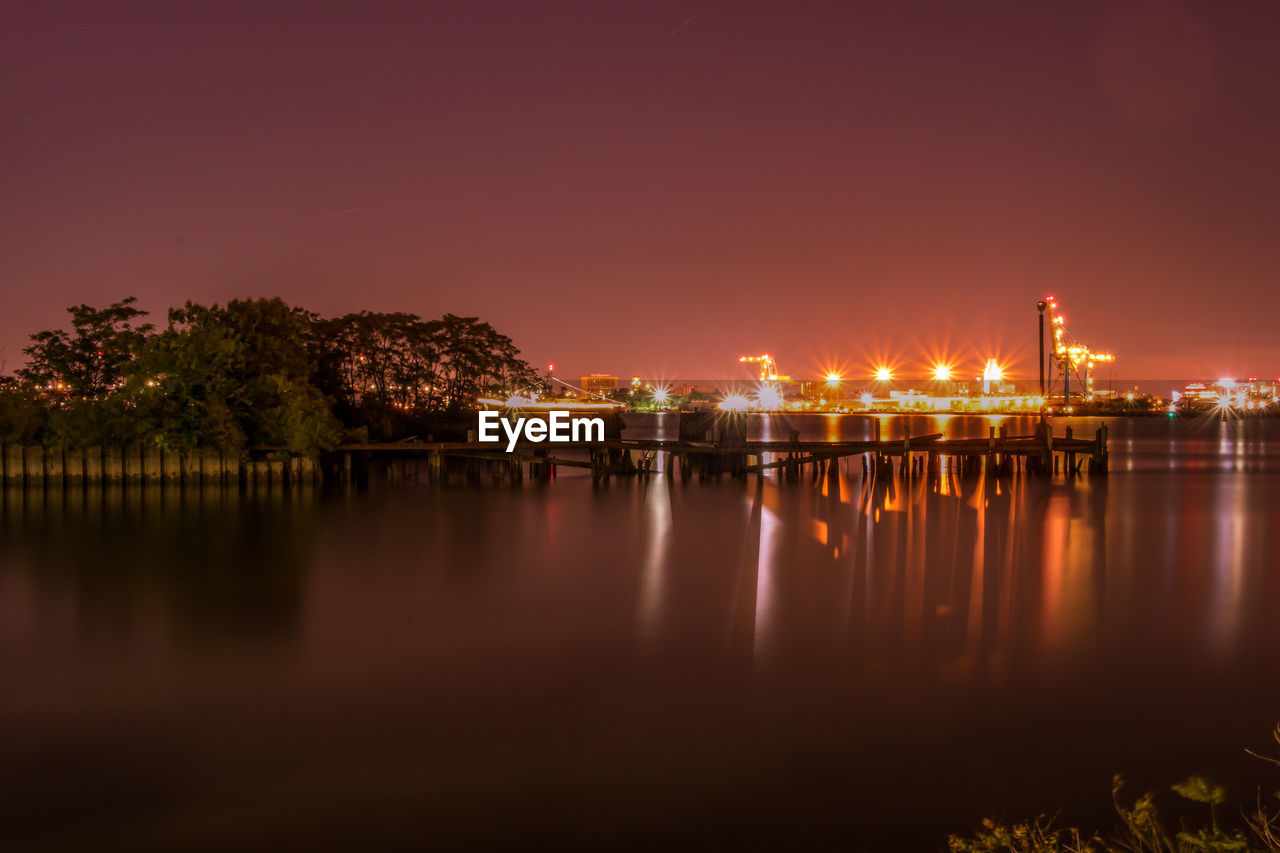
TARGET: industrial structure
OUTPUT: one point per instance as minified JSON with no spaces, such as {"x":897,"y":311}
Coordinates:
{"x":768,"y":367}
{"x":1069,"y":356}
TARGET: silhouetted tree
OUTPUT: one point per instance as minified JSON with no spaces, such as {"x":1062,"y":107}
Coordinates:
{"x":475,"y":360}
{"x":399,"y":361}
{"x":235,"y":375}
{"x":92,"y":359}
{"x":22,"y":417}
{"x":253,"y":373}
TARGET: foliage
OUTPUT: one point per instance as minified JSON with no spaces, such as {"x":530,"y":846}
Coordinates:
{"x":401,"y":361}
{"x":1037,"y":836}
{"x":22,"y":418}
{"x":253,"y":373}
{"x":234,"y":375}
{"x":1141,"y":828}
{"x":91,"y":360}
{"x":93,"y":422}
{"x":386,"y":371}
{"x":477,"y":360}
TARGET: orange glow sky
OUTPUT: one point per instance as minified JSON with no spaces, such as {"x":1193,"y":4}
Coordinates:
{"x":657,"y":188}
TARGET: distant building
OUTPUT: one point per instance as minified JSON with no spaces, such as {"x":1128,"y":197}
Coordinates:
{"x":598,"y":383}
{"x":1200,"y":392}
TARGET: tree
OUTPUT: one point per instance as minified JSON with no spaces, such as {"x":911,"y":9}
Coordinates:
{"x":379,"y":360}
{"x":91,"y":360}
{"x":477,"y":360}
{"x":255,"y":373}
{"x":22,"y":418}
{"x":234,"y":376}
{"x":384,"y":362}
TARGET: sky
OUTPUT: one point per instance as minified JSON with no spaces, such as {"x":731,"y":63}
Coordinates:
{"x":656,"y":188}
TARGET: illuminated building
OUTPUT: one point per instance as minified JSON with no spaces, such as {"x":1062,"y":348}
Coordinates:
{"x":599,"y":384}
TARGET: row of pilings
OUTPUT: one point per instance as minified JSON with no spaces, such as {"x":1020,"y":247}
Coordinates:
{"x":792,"y":460}
{"x":708,"y":456}
{"x":53,"y":466}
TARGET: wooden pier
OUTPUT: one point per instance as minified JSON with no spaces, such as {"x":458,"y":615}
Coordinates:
{"x":1041,"y":454}
{"x":706,"y":448}
{"x":50,"y":466}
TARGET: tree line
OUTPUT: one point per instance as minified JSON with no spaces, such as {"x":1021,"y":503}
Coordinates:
{"x":253,"y":373}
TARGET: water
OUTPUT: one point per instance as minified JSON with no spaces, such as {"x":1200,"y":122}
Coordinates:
{"x":640,"y":664}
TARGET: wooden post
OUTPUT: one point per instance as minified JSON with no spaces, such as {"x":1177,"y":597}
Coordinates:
{"x":73,"y":466}
{"x":150,"y":463}
{"x":53,"y":467}
{"x":211,"y":466}
{"x":991,"y":451}
{"x":93,"y":465}
{"x":1069,"y":457}
{"x":132,"y":456}
{"x":33,"y":465}
{"x":190,"y":466}
{"x":13,"y":468}
{"x":171,"y":467}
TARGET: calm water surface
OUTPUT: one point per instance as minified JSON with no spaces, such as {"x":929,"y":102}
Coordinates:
{"x":640,"y":664}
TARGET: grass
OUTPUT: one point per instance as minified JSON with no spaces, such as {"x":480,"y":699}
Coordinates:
{"x":1141,"y":829}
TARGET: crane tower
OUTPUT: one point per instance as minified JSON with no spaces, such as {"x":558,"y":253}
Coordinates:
{"x":1069,"y":357}
{"x":768,"y":367}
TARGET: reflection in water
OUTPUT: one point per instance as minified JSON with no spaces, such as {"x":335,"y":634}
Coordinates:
{"x":1229,"y":562}
{"x":657,"y":547}
{"x":961,"y":573}
{"x":194,"y":564}
{"x":732,"y":662}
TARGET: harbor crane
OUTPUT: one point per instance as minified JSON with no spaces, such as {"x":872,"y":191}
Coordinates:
{"x":768,"y":367}
{"x":1069,"y":356}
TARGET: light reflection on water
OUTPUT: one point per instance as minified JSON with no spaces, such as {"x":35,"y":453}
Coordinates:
{"x":737,"y":661}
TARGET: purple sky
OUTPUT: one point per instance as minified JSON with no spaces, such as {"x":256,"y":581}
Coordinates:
{"x":657,"y":188}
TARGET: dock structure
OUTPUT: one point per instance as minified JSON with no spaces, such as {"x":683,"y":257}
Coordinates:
{"x":707,"y":447}
{"x":716,"y":454}
{"x":51,"y":466}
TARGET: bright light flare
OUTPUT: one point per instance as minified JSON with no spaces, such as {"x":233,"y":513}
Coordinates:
{"x":734,"y":403}
{"x":834,"y":379}
{"x":942,"y":372}
{"x":992,"y":372}
{"x":1223,"y":407}
{"x":867,"y":399}
{"x":661,"y":395}
{"x":769,"y":399}
{"x":883,"y":374}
